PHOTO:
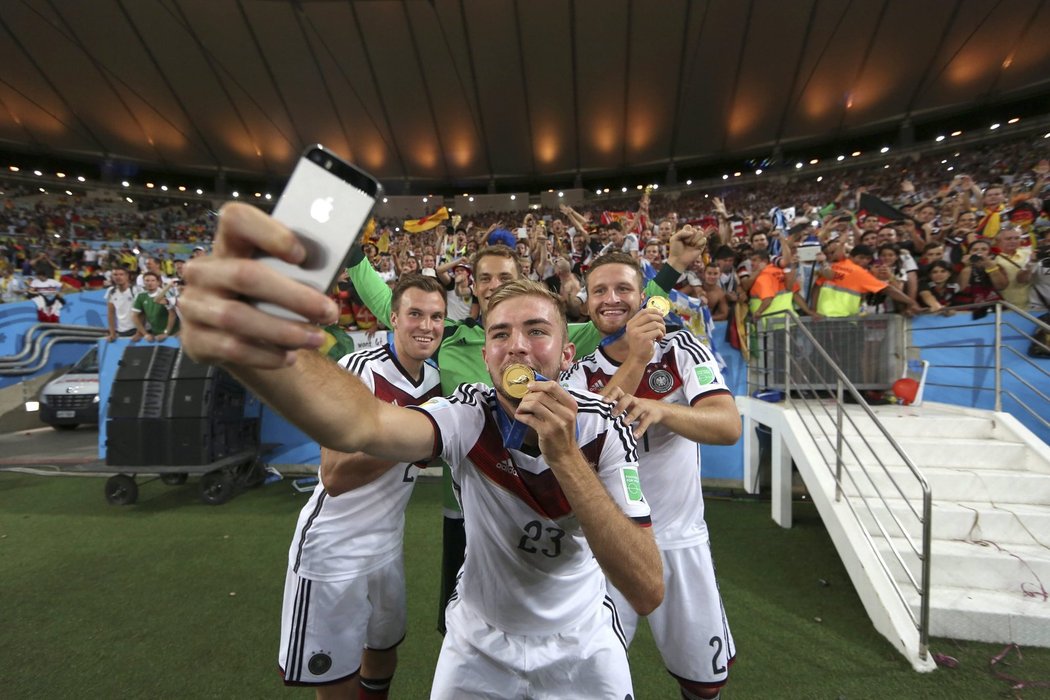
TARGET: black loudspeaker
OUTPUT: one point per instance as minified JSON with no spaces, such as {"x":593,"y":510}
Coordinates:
{"x":229,"y":401}
{"x":193,"y":441}
{"x":219,"y":397}
{"x":190,"y":398}
{"x":137,"y":399}
{"x":240,"y":435}
{"x":134,"y":442}
{"x":186,"y":368}
{"x":141,"y":363}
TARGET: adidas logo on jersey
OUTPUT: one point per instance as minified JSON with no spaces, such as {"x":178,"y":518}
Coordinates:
{"x":507,"y":466}
{"x":597,"y":386}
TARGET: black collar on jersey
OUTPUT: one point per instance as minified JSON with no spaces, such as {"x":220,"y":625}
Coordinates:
{"x":401,"y":368}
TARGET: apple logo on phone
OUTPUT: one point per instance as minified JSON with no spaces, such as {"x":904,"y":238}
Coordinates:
{"x":321,"y":210}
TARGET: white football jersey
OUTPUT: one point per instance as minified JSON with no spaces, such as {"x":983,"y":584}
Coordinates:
{"x":529,"y":568}
{"x":682,"y":371}
{"x":339,"y":537}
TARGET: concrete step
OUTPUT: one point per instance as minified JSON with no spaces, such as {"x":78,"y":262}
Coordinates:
{"x":978,"y":565}
{"x":1003,"y":523}
{"x":910,"y":425}
{"x":953,"y":484}
{"x":937,"y":452}
{"x":988,"y":616}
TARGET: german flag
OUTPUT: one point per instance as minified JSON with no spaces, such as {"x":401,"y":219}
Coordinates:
{"x":870,"y":205}
{"x":427,"y":222}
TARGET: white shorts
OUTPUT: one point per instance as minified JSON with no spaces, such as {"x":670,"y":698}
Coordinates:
{"x":689,"y":627}
{"x":325,"y":625}
{"x":479,"y":661}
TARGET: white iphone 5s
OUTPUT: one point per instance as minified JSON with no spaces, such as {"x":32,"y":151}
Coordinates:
{"x":326,"y":203}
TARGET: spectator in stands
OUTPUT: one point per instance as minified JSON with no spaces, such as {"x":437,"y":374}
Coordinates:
{"x":891,"y":268}
{"x":581,"y":252}
{"x":120,"y":298}
{"x":869,"y":238}
{"x":620,"y":240}
{"x":931,"y":253}
{"x":12,"y":288}
{"x":173,"y":288}
{"x":153,"y":264}
{"x":565,"y":284}
{"x":1013,"y":260}
{"x":386,"y":268}
{"x":150,"y":311}
{"x":43,"y":281}
{"x":938,"y":291}
{"x":712,"y":293}
{"x":408,"y":264}
{"x":725,"y":259}
{"x":653,"y":254}
{"x":459,"y":293}
{"x":992,"y":207}
{"x":1039,"y":293}
{"x":692,"y":279}
{"x":981,"y":278}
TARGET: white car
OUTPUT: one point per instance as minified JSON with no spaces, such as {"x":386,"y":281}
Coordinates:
{"x":72,"y":398}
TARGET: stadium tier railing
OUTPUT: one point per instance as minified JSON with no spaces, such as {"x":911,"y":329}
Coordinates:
{"x":996,"y":361}
{"x":39,"y":340}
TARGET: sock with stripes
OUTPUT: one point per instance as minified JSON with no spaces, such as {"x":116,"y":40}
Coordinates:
{"x":374,"y":688}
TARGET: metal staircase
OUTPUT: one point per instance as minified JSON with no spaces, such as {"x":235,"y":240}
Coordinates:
{"x":940,"y":513}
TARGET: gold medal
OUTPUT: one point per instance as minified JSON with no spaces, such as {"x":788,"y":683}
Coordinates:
{"x":516,"y":380}
{"x":661,"y":304}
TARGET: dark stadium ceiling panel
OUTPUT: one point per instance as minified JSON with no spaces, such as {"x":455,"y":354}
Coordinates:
{"x":468,"y":91}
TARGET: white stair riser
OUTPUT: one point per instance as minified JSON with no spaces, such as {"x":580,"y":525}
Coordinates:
{"x":1025,"y":622}
{"x":911,"y":426}
{"x":958,"y":485}
{"x":926,"y":453}
{"x":984,"y":569}
{"x":952,"y":523}
{"x":988,"y":627}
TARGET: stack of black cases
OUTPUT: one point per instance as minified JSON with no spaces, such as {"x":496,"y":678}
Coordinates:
{"x":167,"y":410}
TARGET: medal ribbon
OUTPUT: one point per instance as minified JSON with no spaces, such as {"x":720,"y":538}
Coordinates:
{"x":512,"y":431}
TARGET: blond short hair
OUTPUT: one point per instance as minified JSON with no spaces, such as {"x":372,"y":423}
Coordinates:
{"x":529,"y":288}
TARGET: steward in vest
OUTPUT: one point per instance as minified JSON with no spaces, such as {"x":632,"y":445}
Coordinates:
{"x":775,"y":289}
{"x":843,"y":283}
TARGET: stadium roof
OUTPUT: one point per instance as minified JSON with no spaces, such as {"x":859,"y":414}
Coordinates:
{"x":470,"y":91}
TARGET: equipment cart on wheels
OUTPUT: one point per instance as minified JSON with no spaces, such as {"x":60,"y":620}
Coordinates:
{"x":169,"y":416}
{"x":220,"y":480}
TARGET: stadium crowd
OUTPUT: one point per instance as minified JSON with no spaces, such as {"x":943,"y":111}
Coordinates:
{"x":913,"y":234}
{"x":925,"y":236}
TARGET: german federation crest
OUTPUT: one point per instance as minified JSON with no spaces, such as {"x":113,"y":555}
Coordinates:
{"x":661,"y":381}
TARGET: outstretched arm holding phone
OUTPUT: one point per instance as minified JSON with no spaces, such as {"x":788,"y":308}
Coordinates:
{"x":275,"y":357}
